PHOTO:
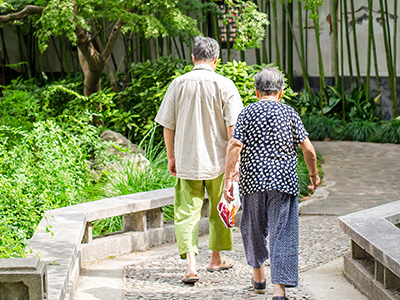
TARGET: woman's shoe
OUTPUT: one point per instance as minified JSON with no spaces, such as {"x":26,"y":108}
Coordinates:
{"x":259,"y":287}
{"x":279,"y":298}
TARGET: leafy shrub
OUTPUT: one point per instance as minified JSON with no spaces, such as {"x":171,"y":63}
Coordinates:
{"x":19,"y":105}
{"x":361,"y":131}
{"x":388,"y":132}
{"x":321,"y":127}
{"x":132,"y":179}
{"x":46,"y":169}
{"x":356,"y":105}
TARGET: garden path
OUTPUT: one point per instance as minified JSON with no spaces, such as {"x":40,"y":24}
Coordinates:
{"x":357,"y":176}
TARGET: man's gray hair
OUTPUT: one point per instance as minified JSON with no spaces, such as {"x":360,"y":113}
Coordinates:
{"x":205,"y":49}
{"x":269,"y":81}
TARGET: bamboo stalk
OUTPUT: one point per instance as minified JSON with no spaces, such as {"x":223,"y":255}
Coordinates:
{"x":160,"y":46}
{"x":395,"y":51}
{"x":369,"y":47}
{"x":242,"y":56}
{"x":176,"y":48}
{"x":302,"y":52}
{"x":275,"y":17}
{"x":214,"y":24}
{"x":355,"y":44}
{"x":342,"y":62}
{"x":169,"y":45}
{"x":335,"y":41}
{"x":306,"y":46}
{"x":378,"y":86}
{"x":291,"y":36}
{"x":322,"y":82}
{"x":182,"y":49}
{"x":374,"y":52}
{"x":228,"y":43}
{"x":348,"y":44}
{"x":389,"y":61}
{"x":269,"y":32}
{"x":264,"y":43}
{"x":284,"y":41}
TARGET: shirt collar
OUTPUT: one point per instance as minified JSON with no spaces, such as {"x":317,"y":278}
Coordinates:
{"x":203,"y":67}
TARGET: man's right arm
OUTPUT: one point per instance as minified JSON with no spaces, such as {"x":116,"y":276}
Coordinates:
{"x":169,"y":136}
{"x":232,"y":156}
{"x":311,"y":161}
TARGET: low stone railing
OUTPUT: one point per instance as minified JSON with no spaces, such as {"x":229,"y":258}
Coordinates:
{"x":64,"y":241}
{"x":373,"y":264}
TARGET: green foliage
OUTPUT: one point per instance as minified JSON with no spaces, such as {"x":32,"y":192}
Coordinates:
{"x":321,"y":127}
{"x":313,"y":7}
{"x":19,"y":105}
{"x":154,"y":18}
{"x":46,"y":169}
{"x":243,"y":77}
{"x":132,"y":111}
{"x":388,"y":132}
{"x":361,"y":131}
{"x":251,"y":24}
{"x":133,"y":178}
{"x":356,"y":108}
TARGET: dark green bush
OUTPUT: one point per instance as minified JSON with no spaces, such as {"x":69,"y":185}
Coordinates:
{"x":387,"y":132}
{"x":46,"y":169}
{"x":361,"y":131}
{"x":356,"y":106}
{"x":320,"y":127}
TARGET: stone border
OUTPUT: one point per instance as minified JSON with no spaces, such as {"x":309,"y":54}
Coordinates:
{"x":64,"y":239}
{"x":374,"y":261}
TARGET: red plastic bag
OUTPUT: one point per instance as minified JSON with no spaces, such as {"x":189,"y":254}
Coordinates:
{"x":227,"y":211}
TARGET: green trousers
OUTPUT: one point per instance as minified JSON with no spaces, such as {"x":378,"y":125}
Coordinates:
{"x":189,"y":198}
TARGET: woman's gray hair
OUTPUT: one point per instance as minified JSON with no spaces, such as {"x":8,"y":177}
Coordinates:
{"x":205,"y":49}
{"x":269,"y":81}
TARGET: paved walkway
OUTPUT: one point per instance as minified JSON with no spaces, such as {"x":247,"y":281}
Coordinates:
{"x":357,"y":176}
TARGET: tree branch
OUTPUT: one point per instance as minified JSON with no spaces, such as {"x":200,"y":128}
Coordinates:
{"x":112,"y":40}
{"x":92,"y":56}
{"x":28,"y":10}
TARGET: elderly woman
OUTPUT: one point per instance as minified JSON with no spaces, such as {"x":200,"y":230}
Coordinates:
{"x":266,"y":136}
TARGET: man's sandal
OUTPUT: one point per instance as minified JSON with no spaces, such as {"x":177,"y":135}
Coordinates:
{"x":221,"y":267}
{"x":191,"y":278}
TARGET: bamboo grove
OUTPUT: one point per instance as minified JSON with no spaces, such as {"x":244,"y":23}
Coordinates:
{"x":287,"y":41}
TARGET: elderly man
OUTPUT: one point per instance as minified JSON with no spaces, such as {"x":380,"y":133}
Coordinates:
{"x":266,"y":136}
{"x":198,"y":113}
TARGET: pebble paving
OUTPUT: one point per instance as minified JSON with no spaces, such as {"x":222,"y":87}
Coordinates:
{"x":321,"y":240}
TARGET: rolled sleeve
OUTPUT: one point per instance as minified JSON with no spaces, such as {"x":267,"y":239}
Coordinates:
{"x":233,"y":105}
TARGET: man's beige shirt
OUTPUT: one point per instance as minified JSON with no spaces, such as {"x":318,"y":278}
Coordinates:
{"x":199,"y":106}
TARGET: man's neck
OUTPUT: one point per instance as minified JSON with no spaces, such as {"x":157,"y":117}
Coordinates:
{"x":208,"y":63}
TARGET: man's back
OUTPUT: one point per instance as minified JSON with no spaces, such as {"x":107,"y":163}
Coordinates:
{"x":199,"y":106}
